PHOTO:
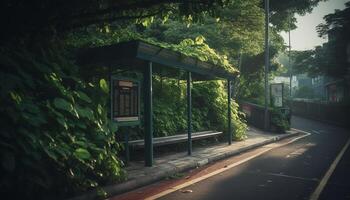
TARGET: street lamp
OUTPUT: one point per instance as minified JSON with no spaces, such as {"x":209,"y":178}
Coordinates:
{"x":290,"y":67}
{"x":267,"y":63}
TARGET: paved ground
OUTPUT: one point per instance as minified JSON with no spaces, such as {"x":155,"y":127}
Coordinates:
{"x":200,"y":156}
{"x":338,"y":186}
{"x":170,"y":165}
{"x":291,"y":172}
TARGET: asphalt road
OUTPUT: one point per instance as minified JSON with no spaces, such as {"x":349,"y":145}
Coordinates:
{"x":290,"y":172}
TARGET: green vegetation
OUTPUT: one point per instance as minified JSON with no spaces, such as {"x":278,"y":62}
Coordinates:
{"x":56,"y":139}
{"x":280,"y":121}
{"x":55,"y":135}
{"x":331,"y":58}
{"x":209,"y":108}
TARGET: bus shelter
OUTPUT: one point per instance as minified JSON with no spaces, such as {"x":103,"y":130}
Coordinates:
{"x":151,"y":59}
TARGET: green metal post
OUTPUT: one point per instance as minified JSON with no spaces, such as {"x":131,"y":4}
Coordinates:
{"x":148,"y":116}
{"x":127,"y":152}
{"x":229,"y":112}
{"x":189,"y":115}
{"x":111,"y":93}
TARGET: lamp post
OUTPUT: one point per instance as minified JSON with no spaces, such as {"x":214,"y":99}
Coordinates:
{"x":267,"y":63}
{"x":290,"y":66}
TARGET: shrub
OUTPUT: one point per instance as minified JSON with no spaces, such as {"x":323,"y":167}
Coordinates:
{"x":280,"y":121}
{"x":55,"y":136}
{"x":209,"y":108}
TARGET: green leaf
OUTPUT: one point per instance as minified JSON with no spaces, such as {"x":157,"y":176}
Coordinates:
{"x":83,"y":96}
{"x":82,"y":154}
{"x":85,"y":112}
{"x":62,"y":104}
{"x":113,"y":126}
{"x":99,"y":109}
{"x":30,"y":107}
{"x":104,"y":85}
{"x":101,"y":193}
{"x":50,"y":154}
{"x":63,"y":122}
{"x":80,"y":125}
{"x":200,"y":39}
{"x":81,"y":143}
{"x":16,"y":97}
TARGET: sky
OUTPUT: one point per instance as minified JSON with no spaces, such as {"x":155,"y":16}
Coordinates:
{"x":305,"y":36}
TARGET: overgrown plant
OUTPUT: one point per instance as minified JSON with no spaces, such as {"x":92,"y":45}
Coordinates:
{"x":56,"y":139}
{"x":209,"y":101}
{"x":280,"y":121}
{"x":209,"y":110}
{"x":213,"y":96}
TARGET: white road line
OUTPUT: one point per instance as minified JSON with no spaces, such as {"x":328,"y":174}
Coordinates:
{"x":316,"y":194}
{"x":178,"y":187}
{"x":301,"y":131}
{"x":292,"y":177}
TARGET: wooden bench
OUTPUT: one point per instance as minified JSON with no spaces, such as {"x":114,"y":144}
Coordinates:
{"x":159,"y":141}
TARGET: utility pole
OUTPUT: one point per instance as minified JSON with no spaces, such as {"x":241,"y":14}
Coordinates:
{"x":267,"y":63}
{"x":290,"y":66}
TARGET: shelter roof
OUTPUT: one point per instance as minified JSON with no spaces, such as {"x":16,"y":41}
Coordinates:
{"x":135,"y":55}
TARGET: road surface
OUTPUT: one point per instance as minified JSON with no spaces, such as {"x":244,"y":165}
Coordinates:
{"x":293,"y":171}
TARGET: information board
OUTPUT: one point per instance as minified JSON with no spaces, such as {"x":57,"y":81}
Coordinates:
{"x":125,"y":101}
{"x":276,"y":91}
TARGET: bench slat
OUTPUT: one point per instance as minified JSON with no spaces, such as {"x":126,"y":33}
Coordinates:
{"x":159,"y":141}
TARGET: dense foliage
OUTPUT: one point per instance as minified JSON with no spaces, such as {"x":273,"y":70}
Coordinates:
{"x":196,"y":48}
{"x":209,"y":101}
{"x":330,"y":59}
{"x":54,"y":17}
{"x":209,"y":108}
{"x":55,"y":135}
{"x":280,"y":120}
{"x":56,"y":139}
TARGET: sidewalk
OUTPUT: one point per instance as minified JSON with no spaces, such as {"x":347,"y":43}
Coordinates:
{"x":139,"y":175}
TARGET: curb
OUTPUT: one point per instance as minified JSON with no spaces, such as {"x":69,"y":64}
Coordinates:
{"x":132,"y":184}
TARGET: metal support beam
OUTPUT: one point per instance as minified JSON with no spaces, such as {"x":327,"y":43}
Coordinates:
{"x":127,"y":152}
{"x":267,"y":63}
{"x":229,"y":132}
{"x":148,"y":115}
{"x":110,"y":92}
{"x":189,"y":114}
{"x":291,"y":72}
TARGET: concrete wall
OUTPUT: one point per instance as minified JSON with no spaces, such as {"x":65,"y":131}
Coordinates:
{"x":337,"y":114}
{"x":255,"y":114}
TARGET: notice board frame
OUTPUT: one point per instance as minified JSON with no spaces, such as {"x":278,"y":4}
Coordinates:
{"x":272,"y":97}
{"x":133,"y":120}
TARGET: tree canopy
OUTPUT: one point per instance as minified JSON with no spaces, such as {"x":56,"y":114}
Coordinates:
{"x":331,"y":58}
{"x":21,"y":17}
{"x":57,"y":16}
